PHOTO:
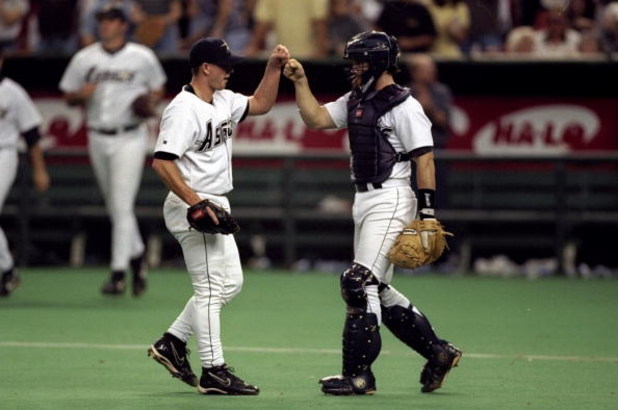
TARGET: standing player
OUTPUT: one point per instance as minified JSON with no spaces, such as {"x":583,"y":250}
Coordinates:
{"x":18,"y":115}
{"x":387,"y":128}
{"x":109,"y":77}
{"x":193,"y":158}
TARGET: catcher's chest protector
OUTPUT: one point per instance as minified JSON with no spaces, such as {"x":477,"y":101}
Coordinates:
{"x":373,"y":157}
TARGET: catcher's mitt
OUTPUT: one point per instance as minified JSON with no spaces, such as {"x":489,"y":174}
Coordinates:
{"x":143,"y":106}
{"x":200,"y":220}
{"x":420,"y":243}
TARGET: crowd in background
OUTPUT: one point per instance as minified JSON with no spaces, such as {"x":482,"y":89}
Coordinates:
{"x":319,"y":28}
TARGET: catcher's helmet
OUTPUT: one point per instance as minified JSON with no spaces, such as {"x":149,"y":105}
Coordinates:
{"x":376,"y":47}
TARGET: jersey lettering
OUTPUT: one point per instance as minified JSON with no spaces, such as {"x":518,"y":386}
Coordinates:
{"x":222,"y":132}
{"x":118,"y":76}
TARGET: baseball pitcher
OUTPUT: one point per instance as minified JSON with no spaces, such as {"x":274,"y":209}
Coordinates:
{"x":193,"y":157}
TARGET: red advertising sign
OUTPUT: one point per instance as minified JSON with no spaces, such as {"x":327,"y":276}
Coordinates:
{"x":484,"y":125}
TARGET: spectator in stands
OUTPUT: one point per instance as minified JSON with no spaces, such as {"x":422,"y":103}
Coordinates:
{"x":157,"y":24}
{"x":521,"y":40}
{"x":452,"y":21}
{"x":89,"y":25}
{"x":590,"y":44}
{"x":12,"y":14}
{"x":226,"y":19}
{"x":490,"y":21}
{"x":557,"y":39}
{"x":435,"y":97}
{"x":301,"y":26}
{"x":410,"y":22}
{"x":57,"y":26}
{"x":609,"y":28}
{"x":581,"y":14}
{"x":345,"y":20}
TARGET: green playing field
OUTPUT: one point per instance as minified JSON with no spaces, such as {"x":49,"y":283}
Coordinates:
{"x":545,"y":344}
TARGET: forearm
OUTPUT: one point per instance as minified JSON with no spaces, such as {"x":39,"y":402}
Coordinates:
{"x":265,"y":94}
{"x":169,"y":173}
{"x":37,"y":161}
{"x":308,"y":105}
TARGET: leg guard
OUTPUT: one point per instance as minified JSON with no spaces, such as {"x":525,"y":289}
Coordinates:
{"x":412,"y":328}
{"x":361,"y":337}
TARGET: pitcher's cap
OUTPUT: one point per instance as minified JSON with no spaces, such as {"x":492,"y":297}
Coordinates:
{"x":214,"y":51}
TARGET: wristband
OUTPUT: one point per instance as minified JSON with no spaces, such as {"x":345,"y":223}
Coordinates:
{"x":426,"y":200}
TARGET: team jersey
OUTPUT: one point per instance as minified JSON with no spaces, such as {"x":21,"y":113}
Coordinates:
{"x":406,"y":125}
{"x":17,"y":113}
{"x":199,"y":134}
{"x":120,"y":76}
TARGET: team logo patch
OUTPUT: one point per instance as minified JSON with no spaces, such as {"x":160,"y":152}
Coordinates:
{"x":359,"y":113}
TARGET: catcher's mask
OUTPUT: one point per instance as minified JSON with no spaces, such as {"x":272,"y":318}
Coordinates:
{"x":377,"y":48}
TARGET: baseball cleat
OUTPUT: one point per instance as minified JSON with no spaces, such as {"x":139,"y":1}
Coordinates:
{"x":222,"y":380}
{"x":173,"y":356}
{"x":140,"y":275}
{"x":363,"y":384}
{"x":9,"y":282}
{"x":446,"y":356}
{"x":115,"y":285}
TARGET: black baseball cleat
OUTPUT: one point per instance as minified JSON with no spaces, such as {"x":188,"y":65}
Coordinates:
{"x":140,"y":275}
{"x":9,"y":282}
{"x":363,"y":384}
{"x":115,"y":285}
{"x":172,"y":354}
{"x":222,"y":380}
{"x":445,"y":357}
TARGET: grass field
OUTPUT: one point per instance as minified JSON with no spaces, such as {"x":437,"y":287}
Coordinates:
{"x":544,"y":344}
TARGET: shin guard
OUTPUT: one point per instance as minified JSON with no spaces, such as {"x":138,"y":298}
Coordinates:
{"x":411,"y":328}
{"x":361,"y":342}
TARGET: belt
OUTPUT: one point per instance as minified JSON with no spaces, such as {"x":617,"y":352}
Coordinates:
{"x":364,"y":187}
{"x":370,"y":186}
{"x":114,"y":131}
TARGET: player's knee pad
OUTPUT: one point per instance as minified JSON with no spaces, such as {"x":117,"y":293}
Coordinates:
{"x":353,"y":282}
{"x":411,"y":327}
{"x":361,"y":343}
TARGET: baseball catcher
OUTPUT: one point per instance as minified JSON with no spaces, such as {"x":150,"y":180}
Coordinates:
{"x":420,"y":243}
{"x":207,"y":217}
{"x":387,"y":129}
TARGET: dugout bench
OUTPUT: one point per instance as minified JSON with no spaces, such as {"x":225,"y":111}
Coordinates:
{"x":300,"y":207}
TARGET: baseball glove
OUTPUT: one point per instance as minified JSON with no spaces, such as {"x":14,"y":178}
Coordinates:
{"x":200,"y":220}
{"x":143,"y":106}
{"x":420,"y":243}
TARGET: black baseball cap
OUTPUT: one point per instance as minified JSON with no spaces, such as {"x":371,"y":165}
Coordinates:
{"x":111,"y":12}
{"x":213,"y":51}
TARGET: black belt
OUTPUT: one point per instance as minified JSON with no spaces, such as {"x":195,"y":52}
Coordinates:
{"x":362,"y":186}
{"x":114,"y":131}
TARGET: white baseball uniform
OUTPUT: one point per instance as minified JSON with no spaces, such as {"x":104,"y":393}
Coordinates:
{"x":199,"y":134}
{"x":117,"y":138}
{"x":380,"y":214}
{"x":18,"y":114}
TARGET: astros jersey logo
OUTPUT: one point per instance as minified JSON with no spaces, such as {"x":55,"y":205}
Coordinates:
{"x":213,"y":139}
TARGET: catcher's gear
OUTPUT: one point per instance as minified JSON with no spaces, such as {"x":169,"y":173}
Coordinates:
{"x":363,"y":384}
{"x":144,"y":106}
{"x":378,"y":48}
{"x":445,"y":357}
{"x":200,"y":220}
{"x":420,"y":243}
